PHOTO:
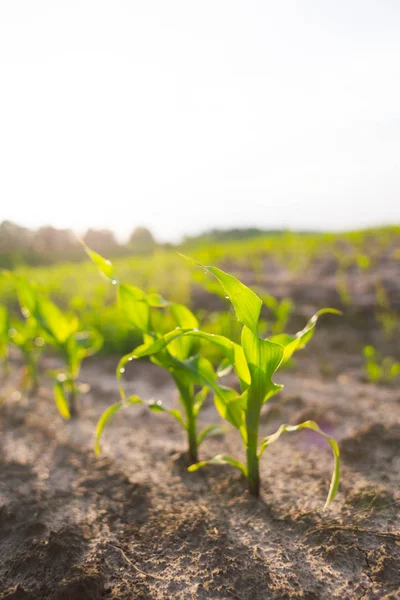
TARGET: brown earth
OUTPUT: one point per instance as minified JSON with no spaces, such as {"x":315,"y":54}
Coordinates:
{"x":134,"y":524}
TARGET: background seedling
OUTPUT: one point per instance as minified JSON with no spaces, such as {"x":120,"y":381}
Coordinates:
{"x":25,"y":335}
{"x":64,"y":333}
{"x":152,"y":315}
{"x":378,"y":369}
{"x":280,"y":311}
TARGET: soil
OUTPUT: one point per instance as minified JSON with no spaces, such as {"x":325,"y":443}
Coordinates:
{"x":134,"y":524}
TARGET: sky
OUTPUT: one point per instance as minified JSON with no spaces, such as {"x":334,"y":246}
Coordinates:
{"x":184,"y":115}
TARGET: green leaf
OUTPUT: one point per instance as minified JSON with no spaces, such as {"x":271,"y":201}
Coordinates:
{"x":224,"y":368}
{"x":229,"y":404}
{"x":183,"y":347}
{"x":80,"y":345}
{"x":105,"y":266}
{"x":263,"y":359}
{"x":291,"y":343}
{"x":27,"y":296}
{"x":154,"y":347}
{"x":199,"y":399}
{"x":232,"y":406}
{"x":134,"y":306}
{"x":57,"y":325}
{"x":61,"y":400}
{"x":232,"y":351}
{"x":246,"y":303}
{"x":207,"y":431}
{"x":102,"y":422}
{"x":220,"y":459}
{"x":157,"y":406}
{"x":332,"y":442}
{"x":3,"y":322}
{"x":156,"y":300}
{"x":184,"y":317}
{"x":108,"y":414}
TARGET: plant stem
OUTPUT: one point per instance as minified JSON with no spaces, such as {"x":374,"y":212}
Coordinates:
{"x":254,"y":403}
{"x":253,"y":466}
{"x":192,"y":437}
{"x":187,"y":400}
{"x":73,"y":399}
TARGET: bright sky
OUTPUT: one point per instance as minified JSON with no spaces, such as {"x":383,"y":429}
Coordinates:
{"x":184,"y":115}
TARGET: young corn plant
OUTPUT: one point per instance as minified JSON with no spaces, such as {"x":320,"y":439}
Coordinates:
{"x":152,"y":316}
{"x":256,"y":361}
{"x":385,"y":315}
{"x":281,"y":311}
{"x":378,"y":369}
{"x":25,"y":335}
{"x":64,"y":333}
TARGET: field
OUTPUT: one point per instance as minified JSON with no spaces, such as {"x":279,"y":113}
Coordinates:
{"x":133,"y":523}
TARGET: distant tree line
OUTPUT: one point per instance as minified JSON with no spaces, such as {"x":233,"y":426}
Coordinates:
{"x":48,"y":245}
{"x":229,"y":235}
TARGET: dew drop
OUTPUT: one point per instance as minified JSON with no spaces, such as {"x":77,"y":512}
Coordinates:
{"x":177,"y":328}
{"x":114,"y":281}
{"x":158,"y":402}
{"x":122,"y":370}
{"x":195,"y":329}
{"x":227,"y":297}
{"x":130,"y":358}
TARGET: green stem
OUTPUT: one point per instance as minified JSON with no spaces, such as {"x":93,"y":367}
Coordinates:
{"x":73,"y":399}
{"x":253,"y":468}
{"x":187,"y":399}
{"x":252,"y":459}
{"x":192,"y":437}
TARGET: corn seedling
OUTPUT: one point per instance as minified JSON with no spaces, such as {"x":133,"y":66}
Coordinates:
{"x":150,"y":314}
{"x":255,"y":361}
{"x":65,"y":334}
{"x":385,"y":315}
{"x":281,"y":311}
{"x":25,"y":335}
{"x":342,"y":285}
{"x":378,"y":369}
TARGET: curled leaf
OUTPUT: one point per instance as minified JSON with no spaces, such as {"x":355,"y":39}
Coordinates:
{"x":208,"y":431}
{"x":331,"y":441}
{"x":220,"y":459}
{"x":291,"y":343}
{"x":108,"y":414}
{"x":157,"y":406}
